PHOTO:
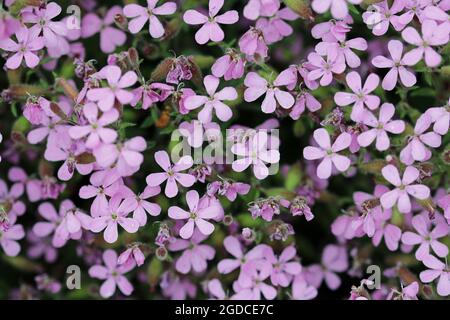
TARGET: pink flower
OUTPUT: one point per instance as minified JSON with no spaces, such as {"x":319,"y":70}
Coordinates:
{"x":302,"y":290}
{"x":28,"y":42}
{"x":253,"y":42}
{"x":127,"y":155}
{"x":140,"y":15}
{"x":229,"y":189}
{"x":257,"y":86}
{"x":110,"y":37}
{"x":63,"y":148}
{"x":210,"y":29}
{"x":283,"y":269}
{"x":339,"y":8}
{"x":117,"y":213}
{"x":257,"y":152}
{"x":334,"y":259}
{"x":245,"y":261}
{"x":343,"y":49}
{"x":195,"y":256}
{"x":361,"y":95}
{"x":100,"y":187}
{"x":253,"y":286}
{"x":172,"y":173}
{"x":275,"y":28}
{"x":331,"y":31}
{"x":380,"y":127}
{"x":10,"y":236}
{"x":328,"y":152}
{"x":397,"y":65}
{"x":324,"y":69}
{"x":230,"y":66}
{"x":96,"y":132}
{"x":441,"y":118}
{"x":151,"y":94}
{"x":256,"y":8}
{"x":304,"y":100}
{"x":66,"y":224}
{"x":432,"y":35}
{"x":133,"y":255}
{"x":197,"y":217}
{"x":416,"y":149}
{"x":213,"y":102}
{"x":106,"y":97}
{"x":112,"y":274}
{"x":11,"y":199}
{"x":142,"y":206}
{"x":427,"y":238}
{"x":436,"y":269}
{"x":380,"y":16}
{"x":409,"y":292}
{"x":404,"y":188}
{"x":42,"y":19}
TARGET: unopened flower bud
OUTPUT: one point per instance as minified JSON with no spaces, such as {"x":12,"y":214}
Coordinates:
{"x":227,"y":220}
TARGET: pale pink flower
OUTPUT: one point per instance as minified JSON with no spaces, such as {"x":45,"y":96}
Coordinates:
{"x":133,"y":255}
{"x":324,"y":69}
{"x":441,"y":118}
{"x":328,"y":152}
{"x":380,"y":127}
{"x":127,"y":156}
{"x":151,"y":94}
{"x":116,"y":214}
{"x":258,"y":86}
{"x":113,"y":274}
{"x":245,"y":261}
{"x":141,"y":206}
{"x":99,"y":189}
{"x":303,"y":101}
{"x":380,"y":16}
{"x":331,"y":31}
{"x":258,"y":152}
{"x":210,"y":29}
{"x":9,"y":238}
{"x":110,"y":37}
{"x":117,"y":83}
{"x":334,"y":259}
{"x":253,"y":42}
{"x":436,"y":269}
{"x":257,"y":8}
{"x":95,"y":131}
{"x":284,"y":267}
{"x":172,"y":173}
{"x":65,"y":224}
{"x":404,"y":188}
{"x":253,"y":286}
{"x":432,"y":35}
{"x":28,"y":43}
{"x":344,"y":49}
{"x":275,"y":28}
{"x":427,"y":238}
{"x":397,"y":66}
{"x":63,"y":148}
{"x":302,"y":290}
{"x":361,"y":95}
{"x":230,"y":66}
{"x":42,"y":19}
{"x":195,"y":255}
{"x":140,"y":15}
{"x":416,"y":149}
{"x":196,"y":217}
{"x":213,"y":101}
{"x":338,"y":8}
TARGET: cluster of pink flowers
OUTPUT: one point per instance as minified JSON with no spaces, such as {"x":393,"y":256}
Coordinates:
{"x":97,"y":138}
